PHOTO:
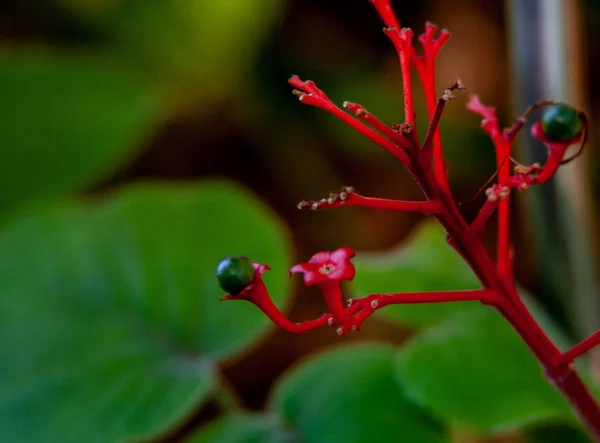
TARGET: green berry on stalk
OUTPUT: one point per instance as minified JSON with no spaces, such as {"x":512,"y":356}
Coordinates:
{"x":561,"y":122}
{"x":234,"y":273}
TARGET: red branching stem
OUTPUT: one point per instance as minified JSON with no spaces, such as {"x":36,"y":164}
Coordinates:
{"x":258,"y":295}
{"x":402,"y":40}
{"x":309,"y":94}
{"x":347,"y":197}
{"x":503,"y":150}
{"x":496,"y":278}
{"x":368,"y":305}
{"x":503,"y":145}
{"x":385,"y":11}
{"x":510,"y":133}
{"x":334,"y":299}
{"x":484,"y":214}
{"x":525,"y":325}
{"x":489,"y":122}
{"x":486,"y":296}
{"x":361,"y":113}
{"x":427,"y":150}
{"x":425,"y":66}
{"x":579,"y":349}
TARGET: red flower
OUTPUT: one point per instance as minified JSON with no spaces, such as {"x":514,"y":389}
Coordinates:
{"x":327,"y":267}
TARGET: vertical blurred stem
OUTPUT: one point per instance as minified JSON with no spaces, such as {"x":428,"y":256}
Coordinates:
{"x":546,"y":57}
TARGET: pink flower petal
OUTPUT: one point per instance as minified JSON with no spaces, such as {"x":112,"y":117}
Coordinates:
{"x":320,"y":257}
{"x":342,"y":255}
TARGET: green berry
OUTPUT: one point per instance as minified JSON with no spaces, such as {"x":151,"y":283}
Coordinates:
{"x":561,"y":122}
{"x":234,"y":273}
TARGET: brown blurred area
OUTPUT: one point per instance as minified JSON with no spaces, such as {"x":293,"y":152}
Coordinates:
{"x":284,"y":152}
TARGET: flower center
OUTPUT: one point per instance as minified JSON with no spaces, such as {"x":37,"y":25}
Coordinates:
{"x":326,"y":269}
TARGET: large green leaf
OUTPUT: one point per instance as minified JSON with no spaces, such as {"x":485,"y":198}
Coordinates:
{"x":351,"y":395}
{"x":242,"y":428}
{"x":67,"y":120}
{"x":424,"y":263}
{"x":109,"y":319}
{"x":475,"y":370}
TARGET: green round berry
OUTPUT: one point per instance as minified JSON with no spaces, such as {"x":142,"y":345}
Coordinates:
{"x":561,"y":122}
{"x":234,"y":273}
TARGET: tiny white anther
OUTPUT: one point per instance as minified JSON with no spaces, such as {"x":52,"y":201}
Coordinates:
{"x":326,"y":269}
{"x":354,"y":328}
{"x":374,"y":304}
{"x":300,"y":205}
{"x":330,"y":321}
{"x":349,"y":302}
{"x":330,"y":200}
{"x":346,"y":104}
{"x":523,"y":186}
{"x":314,"y":206}
{"x":343,"y":196}
{"x":340,"y":331}
{"x":323,"y":201}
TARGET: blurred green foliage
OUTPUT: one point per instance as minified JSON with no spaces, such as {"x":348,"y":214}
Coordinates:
{"x":68,"y":119}
{"x":198,"y":51}
{"x":116,"y":329}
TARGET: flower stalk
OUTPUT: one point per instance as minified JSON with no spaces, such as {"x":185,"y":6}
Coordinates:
{"x":425,"y":161}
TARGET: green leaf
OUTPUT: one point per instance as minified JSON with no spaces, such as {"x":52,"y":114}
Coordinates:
{"x":110,"y":323}
{"x":423,"y":263}
{"x":473,"y":369}
{"x":67,"y":120}
{"x":350,"y":395}
{"x":244,"y":428}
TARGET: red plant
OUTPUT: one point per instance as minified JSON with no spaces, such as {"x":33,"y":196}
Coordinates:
{"x":425,"y":161}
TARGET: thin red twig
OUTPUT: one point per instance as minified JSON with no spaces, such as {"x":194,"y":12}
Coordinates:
{"x":580,"y":348}
{"x":347,"y":197}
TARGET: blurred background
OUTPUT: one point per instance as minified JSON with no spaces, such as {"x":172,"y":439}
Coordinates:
{"x":224,"y":110}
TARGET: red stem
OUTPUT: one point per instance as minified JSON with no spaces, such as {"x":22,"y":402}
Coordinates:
{"x":335,"y":301}
{"x":349,"y":198}
{"x":402,"y":40}
{"x":425,"y":66}
{"x":374,"y":302}
{"x":484,"y":214}
{"x":512,"y":308}
{"x":309,"y":94}
{"x":496,"y":278}
{"x":503,"y":149}
{"x":360,"y":112}
{"x":580,"y":348}
{"x":259,"y":296}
